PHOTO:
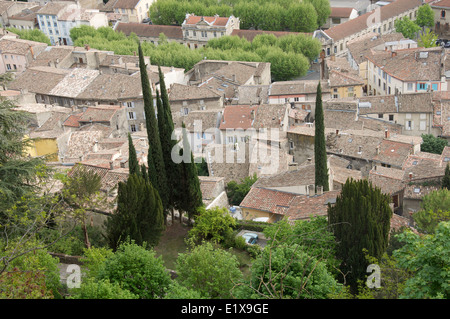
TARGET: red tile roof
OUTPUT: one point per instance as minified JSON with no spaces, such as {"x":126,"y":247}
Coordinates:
{"x":216,"y":20}
{"x":237,"y":117}
{"x":360,"y":23}
{"x":340,"y":12}
{"x":150,"y":31}
{"x":73,"y":120}
{"x":442,"y":4}
{"x":267,"y":200}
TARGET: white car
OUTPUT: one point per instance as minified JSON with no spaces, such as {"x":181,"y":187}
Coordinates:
{"x":250,"y":238}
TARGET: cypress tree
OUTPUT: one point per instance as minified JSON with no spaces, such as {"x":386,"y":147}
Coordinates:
{"x":446,"y":179}
{"x":166,"y":129}
{"x":133,"y":164}
{"x":139,"y":215}
{"x":191,"y":197}
{"x":156,"y":167}
{"x":360,"y":219}
{"x":320,"y":152}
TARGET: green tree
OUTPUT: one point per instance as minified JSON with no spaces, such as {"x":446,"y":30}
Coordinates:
{"x":213,"y":224}
{"x":31,"y":35}
{"x":360,"y":220}
{"x":302,"y":17}
{"x":137,"y":270}
{"x":446,"y":178}
{"x":427,"y":39}
{"x":237,"y":192}
{"x":425,"y":16}
{"x":286,"y":271}
{"x":209,"y":270}
{"x":434,"y":209}
{"x":139,"y":215}
{"x":190,"y":198}
{"x":81,"y":193}
{"x":19,"y":174}
{"x":320,"y":152}
{"x":133,"y":164}
{"x":407,"y":27}
{"x":168,"y":144}
{"x":428,"y":257}
{"x":101,"y":289}
{"x":432,"y":144}
{"x":155,"y":159}
{"x":323,"y":10}
{"x":45,"y":282}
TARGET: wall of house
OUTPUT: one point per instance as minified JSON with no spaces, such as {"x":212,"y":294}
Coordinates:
{"x":44,"y":146}
{"x":441,"y":19}
{"x":301,"y":147}
{"x":178,"y":107}
{"x":12,"y":62}
{"x":22,"y":24}
{"x":99,"y":20}
{"x":347,"y":91}
{"x":250,"y":214}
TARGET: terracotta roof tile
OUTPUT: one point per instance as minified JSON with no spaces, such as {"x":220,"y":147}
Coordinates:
{"x":238,"y":117}
{"x":266,"y":199}
{"x":150,"y":31}
{"x":215,"y":20}
{"x":358,"y":24}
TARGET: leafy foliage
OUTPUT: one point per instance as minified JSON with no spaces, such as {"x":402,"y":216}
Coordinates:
{"x":212,"y":224}
{"x":237,"y":192}
{"x":425,"y":16}
{"x":290,"y":56}
{"x":101,"y":289}
{"x":407,"y":27}
{"x":360,"y":219}
{"x":209,"y":270}
{"x":261,"y":15}
{"x":433,"y":144}
{"x":137,"y":270}
{"x":428,"y":257}
{"x":32,"y":35}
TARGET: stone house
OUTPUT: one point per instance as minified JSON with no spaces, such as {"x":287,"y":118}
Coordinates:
{"x":150,"y":32}
{"x":380,"y":20}
{"x":26,"y":19}
{"x":132,"y":10}
{"x":339,"y":15}
{"x":198,"y":30}
{"x":441,"y":11}
{"x":186,"y":98}
{"x":406,"y":71}
{"x":17,"y":54}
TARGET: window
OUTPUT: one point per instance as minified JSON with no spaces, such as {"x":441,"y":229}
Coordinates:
{"x":296,"y":99}
{"x":130,"y":104}
{"x":131,"y":115}
{"x":133,"y":128}
{"x":422,"y":125}
{"x":204,"y":34}
{"x":443,"y":14}
{"x":215,"y":34}
{"x":291,"y":145}
{"x":185,"y":111}
{"x":187,"y":33}
{"x":391,"y":117}
{"x":380,"y":116}
{"x":410,"y":87}
{"x":409,"y":125}
{"x":8,"y":66}
{"x":421,"y":86}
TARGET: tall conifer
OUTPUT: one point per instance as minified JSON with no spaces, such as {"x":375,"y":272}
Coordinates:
{"x":360,"y":219}
{"x":133,"y":164}
{"x":156,"y":167}
{"x":166,"y":129}
{"x":191,"y":197}
{"x":320,"y":152}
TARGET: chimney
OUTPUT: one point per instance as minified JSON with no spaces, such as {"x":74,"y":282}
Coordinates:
{"x":393,"y":54}
{"x":309,"y":160}
{"x":337,"y":132}
{"x":87,"y":47}
{"x":378,"y":149}
{"x":319,"y":190}
{"x":410,"y":175}
{"x":111,"y":165}
{"x":386,"y":133}
{"x":311,"y":191}
{"x":95,"y":149}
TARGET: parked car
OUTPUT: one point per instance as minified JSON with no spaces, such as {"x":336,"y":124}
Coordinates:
{"x":250,"y":238}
